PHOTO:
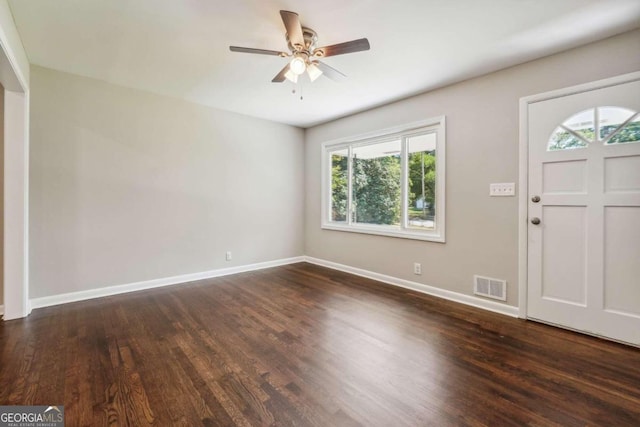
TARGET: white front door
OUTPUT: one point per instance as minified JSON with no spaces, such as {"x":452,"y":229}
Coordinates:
{"x":584,"y":211}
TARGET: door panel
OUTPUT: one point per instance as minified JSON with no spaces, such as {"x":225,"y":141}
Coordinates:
{"x":622,"y":269}
{"x":584,"y":252}
{"x":564,"y":254}
{"x":622,"y":174}
{"x":564,"y":177}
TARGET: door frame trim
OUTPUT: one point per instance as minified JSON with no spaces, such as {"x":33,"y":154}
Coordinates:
{"x":523,"y":179}
{"x":14,"y":75}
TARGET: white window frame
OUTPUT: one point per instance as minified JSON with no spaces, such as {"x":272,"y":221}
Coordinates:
{"x":435,"y":125}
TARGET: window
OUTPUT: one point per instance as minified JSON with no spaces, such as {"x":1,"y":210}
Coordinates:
{"x":390,"y":183}
{"x":615,"y":125}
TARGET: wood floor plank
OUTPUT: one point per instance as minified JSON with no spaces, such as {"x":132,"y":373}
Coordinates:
{"x":305,"y":345}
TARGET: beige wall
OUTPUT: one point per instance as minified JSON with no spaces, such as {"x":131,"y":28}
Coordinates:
{"x":128,"y":186}
{"x":482,"y":147}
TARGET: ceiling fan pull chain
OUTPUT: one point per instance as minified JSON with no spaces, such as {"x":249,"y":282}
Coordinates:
{"x":294,"y":91}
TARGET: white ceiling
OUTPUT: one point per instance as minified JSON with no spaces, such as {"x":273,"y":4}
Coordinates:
{"x":180,"y":48}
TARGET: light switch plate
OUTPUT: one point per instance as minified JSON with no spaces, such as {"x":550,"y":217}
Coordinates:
{"x":502,"y":189}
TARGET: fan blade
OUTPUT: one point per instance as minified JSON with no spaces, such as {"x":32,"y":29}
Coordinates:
{"x":294,"y":28}
{"x":258,"y":51}
{"x":281,"y":75}
{"x":330,"y":72}
{"x":342,"y":48}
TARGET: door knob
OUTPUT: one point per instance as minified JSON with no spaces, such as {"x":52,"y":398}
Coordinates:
{"x":535,"y":221}
{"x":535,"y":199}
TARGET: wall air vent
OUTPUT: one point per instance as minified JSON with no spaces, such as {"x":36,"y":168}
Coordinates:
{"x":490,"y":288}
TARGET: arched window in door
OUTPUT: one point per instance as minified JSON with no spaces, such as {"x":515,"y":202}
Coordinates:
{"x":608,"y":125}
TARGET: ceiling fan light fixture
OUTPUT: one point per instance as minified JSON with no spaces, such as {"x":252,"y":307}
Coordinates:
{"x":313,"y":71}
{"x":291,"y":76}
{"x":298,"y":65}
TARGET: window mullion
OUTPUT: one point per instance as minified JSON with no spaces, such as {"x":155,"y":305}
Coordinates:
{"x":596,"y":124}
{"x":350,"y":186}
{"x":404,"y":176}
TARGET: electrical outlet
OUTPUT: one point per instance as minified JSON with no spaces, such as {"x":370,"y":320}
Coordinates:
{"x":417,"y":268}
{"x":228,"y":255}
{"x":502,"y":189}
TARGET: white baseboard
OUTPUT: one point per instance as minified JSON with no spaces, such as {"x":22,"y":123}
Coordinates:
{"x":496,"y":307}
{"x":155,"y":283}
{"x":175,"y":280}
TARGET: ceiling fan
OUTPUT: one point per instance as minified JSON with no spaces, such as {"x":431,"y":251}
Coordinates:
{"x":304,"y":52}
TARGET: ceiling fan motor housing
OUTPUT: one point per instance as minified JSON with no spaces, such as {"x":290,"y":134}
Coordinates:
{"x":310,"y":42}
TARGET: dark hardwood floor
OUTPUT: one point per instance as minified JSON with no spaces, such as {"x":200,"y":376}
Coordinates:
{"x":304,"y":345}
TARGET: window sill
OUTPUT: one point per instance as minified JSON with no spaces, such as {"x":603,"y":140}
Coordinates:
{"x":430,"y":236}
